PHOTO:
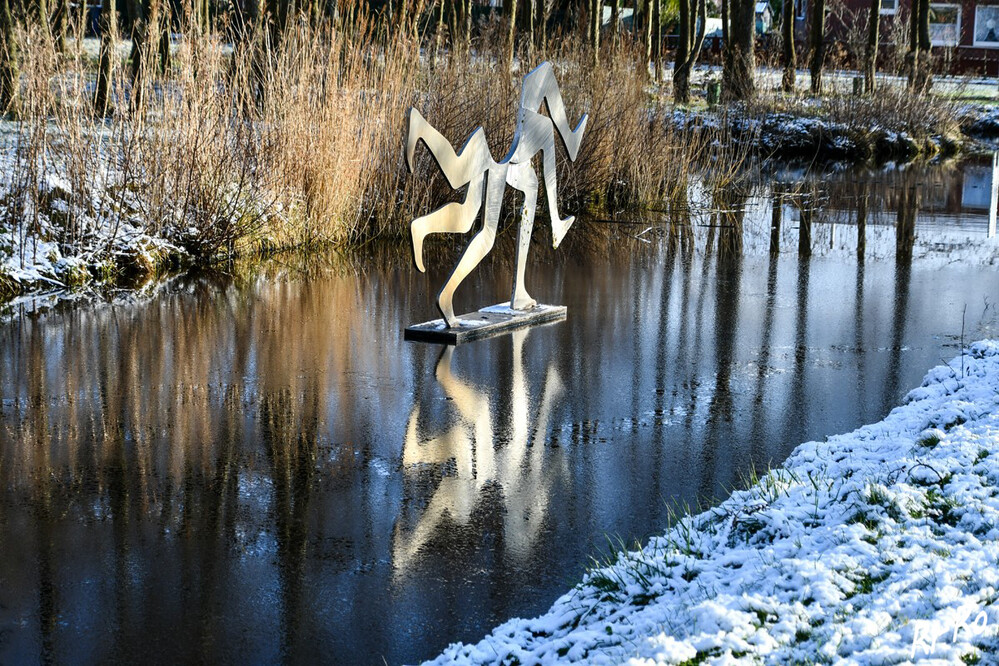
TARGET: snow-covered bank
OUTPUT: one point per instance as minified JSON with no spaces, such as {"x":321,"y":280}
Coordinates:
{"x":876,"y":546}
{"x":804,"y":135}
{"x":57,"y":236}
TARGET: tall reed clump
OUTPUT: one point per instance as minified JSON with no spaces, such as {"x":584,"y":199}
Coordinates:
{"x":253,"y":139}
{"x":174,"y":171}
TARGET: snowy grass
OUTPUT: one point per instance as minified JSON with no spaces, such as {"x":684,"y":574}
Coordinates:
{"x":879,"y":546}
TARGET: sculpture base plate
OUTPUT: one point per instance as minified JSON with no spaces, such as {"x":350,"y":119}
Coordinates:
{"x":487,"y":322}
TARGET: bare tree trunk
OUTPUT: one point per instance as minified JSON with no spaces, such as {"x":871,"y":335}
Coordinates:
{"x":42,"y":11}
{"x":541,"y":26}
{"x":455,"y":19}
{"x":9,"y":74}
{"x":440,"y":29}
{"x":272,"y":13}
{"x":511,"y":31}
{"x":467,"y":40}
{"x":588,"y":11}
{"x":204,"y":17}
{"x":912,"y":57}
{"x":657,"y":38}
{"x":724,"y":20}
{"x":726,"y":42}
{"x":60,"y":24}
{"x":690,"y":41}
{"x":817,"y":44}
{"x":596,"y":20}
{"x":105,"y":71}
{"x":871,"y":53}
{"x":529,"y":5}
{"x":681,"y":79}
{"x":790,"y":57}
{"x":924,"y":25}
{"x":739,"y":75}
{"x":615,"y":21}
{"x":925,"y":63}
{"x":164,"y":22}
{"x":140,"y":22}
{"x":648,"y":35}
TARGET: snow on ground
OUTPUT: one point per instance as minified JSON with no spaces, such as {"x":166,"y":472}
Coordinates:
{"x":30,"y":255}
{"x":880,"y":546}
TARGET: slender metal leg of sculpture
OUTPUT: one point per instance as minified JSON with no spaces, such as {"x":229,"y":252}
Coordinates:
{"x":560,"y":226}
{"x":480,"y":245}
{"x":523,"y":178}
{"x":536,"y":133}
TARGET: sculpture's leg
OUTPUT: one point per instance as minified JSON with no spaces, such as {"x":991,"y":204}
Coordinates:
{"x":454,"y":218}
{"x":559,"y":226}
{"x":537,"y":133}
{"x":481,"y":243}
{"x":523,"y":178}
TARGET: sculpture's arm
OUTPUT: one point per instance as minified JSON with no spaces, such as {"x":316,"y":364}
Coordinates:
{"x":540,"y":86}
{"x":459,"y":168}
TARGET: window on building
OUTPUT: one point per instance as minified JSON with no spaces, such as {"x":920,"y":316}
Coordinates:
{"x":945,"y":25}
{"x":889,"y":6}
{"x":987,"y":26}
{"x":800,"y":9}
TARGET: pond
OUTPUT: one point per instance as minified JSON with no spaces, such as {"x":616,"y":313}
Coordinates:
{"x":259,"y":468}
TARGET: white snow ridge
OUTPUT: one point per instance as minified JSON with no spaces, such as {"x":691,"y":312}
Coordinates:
{"x":879,"y":546}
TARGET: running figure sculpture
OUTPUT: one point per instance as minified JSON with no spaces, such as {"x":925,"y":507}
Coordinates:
{"x":474,"y":166}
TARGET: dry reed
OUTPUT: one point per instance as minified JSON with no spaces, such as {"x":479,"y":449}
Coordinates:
{"x":258,"y":145}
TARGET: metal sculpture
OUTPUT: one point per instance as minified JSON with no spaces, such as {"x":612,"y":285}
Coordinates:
{"x":474,"y":166}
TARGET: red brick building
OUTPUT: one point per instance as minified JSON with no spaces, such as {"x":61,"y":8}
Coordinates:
{"x":965,"y":33}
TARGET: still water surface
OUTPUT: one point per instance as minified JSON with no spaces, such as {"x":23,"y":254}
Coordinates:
{"x":262,"y":470}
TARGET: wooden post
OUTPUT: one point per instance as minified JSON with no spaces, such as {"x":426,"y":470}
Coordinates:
{"x":861,"y":227}
{"x":776,"y":217}
{"x":805,"y":227}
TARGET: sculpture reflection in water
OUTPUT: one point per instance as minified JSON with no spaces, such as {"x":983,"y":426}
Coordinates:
{"x":474,"y":166}
{"x":519,"y":467}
